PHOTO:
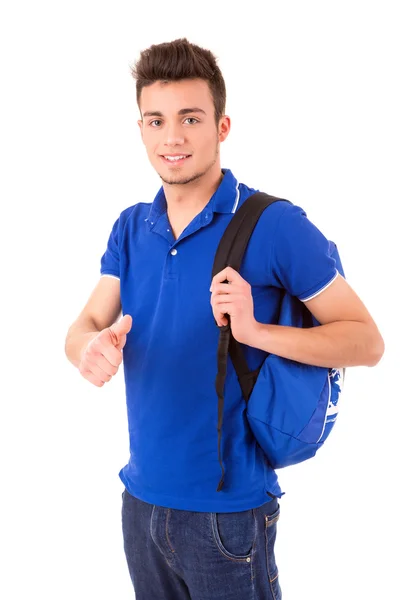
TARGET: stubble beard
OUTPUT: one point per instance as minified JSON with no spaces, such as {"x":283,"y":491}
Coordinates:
{"x":183,"y":180}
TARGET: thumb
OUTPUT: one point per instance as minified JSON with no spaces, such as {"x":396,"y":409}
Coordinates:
{"x":122,"y":327}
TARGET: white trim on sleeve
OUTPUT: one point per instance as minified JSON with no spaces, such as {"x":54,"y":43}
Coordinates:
{"x":109,"y":275}
{"x":321,"y":290}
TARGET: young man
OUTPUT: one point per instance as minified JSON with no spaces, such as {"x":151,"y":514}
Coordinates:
{"x":183,"y":539}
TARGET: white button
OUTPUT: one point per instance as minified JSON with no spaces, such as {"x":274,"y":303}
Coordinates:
{"x":174,"y":251}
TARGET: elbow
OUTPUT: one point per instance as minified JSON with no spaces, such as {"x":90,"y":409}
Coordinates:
{"x":377,"y":350}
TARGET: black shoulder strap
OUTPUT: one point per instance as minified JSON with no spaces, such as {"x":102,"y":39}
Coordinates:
{"x":230,"y":253}
{"x":233,"y":243}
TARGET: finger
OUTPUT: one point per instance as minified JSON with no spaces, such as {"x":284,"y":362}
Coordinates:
{"x":220,"y":318}
{"x":222,"y":305}
{"x":103,"y":345}
{"x":123,"y":326}
{"x":121,"y":343}
{"x":225,"y":298}
{"x":226,"y":274}
{"x":103,"y":364}
{"x":97,"y":371}
{"x":220,"y":310}
{"x":90,"y":377}
{"x":227,"y":288}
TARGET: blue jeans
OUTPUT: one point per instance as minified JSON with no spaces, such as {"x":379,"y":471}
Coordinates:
{"x":183,"y":555}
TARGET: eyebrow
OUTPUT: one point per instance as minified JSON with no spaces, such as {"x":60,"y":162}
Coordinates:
{"x":183,"y":111}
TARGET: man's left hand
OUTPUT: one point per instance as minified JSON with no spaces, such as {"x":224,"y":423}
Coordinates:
{"x":233,"y":298}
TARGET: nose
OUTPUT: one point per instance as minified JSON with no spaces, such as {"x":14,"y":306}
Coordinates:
{"x":175,"y":136}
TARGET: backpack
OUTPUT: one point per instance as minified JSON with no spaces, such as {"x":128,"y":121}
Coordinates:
{"x":291,"y":407}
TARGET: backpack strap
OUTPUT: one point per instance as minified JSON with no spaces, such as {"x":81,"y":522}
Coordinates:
{"x":230,"y":253}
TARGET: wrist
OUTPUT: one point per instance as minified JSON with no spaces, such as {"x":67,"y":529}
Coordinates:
{"x":253,"y":335}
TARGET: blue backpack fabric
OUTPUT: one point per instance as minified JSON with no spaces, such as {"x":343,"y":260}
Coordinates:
{"x":291,"y":407}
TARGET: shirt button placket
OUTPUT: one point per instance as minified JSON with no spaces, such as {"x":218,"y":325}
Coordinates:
{"x":172,"y":264}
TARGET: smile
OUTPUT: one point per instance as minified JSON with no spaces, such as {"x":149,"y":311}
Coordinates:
{"x":175,"y":160}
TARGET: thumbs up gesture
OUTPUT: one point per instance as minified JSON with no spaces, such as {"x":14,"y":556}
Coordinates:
{"x":102,"y":356}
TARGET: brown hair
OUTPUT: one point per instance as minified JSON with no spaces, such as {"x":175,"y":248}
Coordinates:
{"x":176,"y":60}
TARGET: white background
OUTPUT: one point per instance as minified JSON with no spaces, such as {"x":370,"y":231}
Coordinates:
{"x":314,"y":102}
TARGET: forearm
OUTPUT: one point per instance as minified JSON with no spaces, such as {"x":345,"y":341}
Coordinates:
{"x":337,"y":344}
{"x":79,"y":335}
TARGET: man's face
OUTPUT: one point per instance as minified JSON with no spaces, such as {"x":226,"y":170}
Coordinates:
{"x":168,"y":128}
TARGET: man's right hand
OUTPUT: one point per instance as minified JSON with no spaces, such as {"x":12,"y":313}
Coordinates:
{"x":102,"y":356}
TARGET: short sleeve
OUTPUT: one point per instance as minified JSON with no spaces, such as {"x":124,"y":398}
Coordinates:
{"x":110,"y":259}
{"x":303,"y":260}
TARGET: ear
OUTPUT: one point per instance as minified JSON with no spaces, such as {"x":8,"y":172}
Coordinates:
{"x":224,"y":128}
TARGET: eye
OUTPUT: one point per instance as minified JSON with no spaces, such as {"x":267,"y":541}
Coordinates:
{"x":159,"y":121}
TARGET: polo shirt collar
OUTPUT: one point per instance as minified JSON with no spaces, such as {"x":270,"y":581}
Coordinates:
{"x":224,"y":200}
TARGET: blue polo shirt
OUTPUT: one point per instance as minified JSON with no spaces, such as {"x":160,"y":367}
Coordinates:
{"x":170,"y":356}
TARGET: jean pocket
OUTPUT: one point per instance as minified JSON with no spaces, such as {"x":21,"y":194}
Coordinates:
{"x":270,"y":529}
{"x":235,"y":533}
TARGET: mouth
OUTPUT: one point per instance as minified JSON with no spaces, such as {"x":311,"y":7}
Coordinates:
{"x":175,"y":161}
